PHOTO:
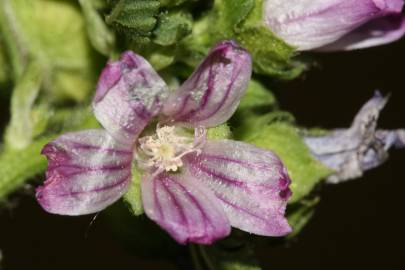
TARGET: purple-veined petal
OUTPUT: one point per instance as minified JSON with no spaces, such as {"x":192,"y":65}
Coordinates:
{"x":377,"y":32}
{"x":87,"y":171}
{"x":129,"y":93}
{"x":184,"y":208}
{"x":212,"y":93}
{"x":310,"y":24}
{"x":251,"y":183}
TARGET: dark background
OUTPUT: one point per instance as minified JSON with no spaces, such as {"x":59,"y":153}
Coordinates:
{"x":357,"y":225}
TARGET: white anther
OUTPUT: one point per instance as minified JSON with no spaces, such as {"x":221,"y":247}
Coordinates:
{"x":164,"y":150}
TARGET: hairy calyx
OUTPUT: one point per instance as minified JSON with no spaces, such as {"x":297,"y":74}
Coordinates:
{"x":163,"y":151}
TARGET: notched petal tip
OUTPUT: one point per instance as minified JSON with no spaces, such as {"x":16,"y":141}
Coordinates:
{"x":252,"y":184}
{"x":128,"y":60}
{"x":284,"y":184}
{"x":185,"y":208}
{"x":110,"y":75}
{"x":129,"y":94}
{"x":87,"y":171}
{"x":210,"y":96}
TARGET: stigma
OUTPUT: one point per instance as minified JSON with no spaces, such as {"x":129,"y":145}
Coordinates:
{"x":164,"y":150}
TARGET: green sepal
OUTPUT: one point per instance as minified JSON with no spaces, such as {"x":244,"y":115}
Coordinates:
{"x":229,"y":14}
{"x":135,"y":18}
{"x":158,"y":56}
{"x":172,"y":27}
{"x":133,"y":197}
{"x":219,"y":132}
{"x":242,"y":20}
{"x":271,"y":55}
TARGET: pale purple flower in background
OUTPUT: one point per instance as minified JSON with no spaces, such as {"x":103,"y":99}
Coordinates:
{"x":352,"y":151}
{"x":334,"y":25}
{"x":194,"y":188}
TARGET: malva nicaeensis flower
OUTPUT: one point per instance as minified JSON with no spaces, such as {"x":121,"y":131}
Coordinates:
{"x":194,"y":188}
{"x":333,"y":25}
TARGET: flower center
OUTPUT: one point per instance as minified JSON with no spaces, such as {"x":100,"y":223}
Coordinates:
{"x":163,"y":151}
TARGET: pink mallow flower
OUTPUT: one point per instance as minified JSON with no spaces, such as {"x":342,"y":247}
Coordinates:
{"x":194,"y":188}
{"x":334,"y":25}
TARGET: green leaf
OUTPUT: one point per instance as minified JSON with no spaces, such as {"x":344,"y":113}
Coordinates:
{"x":256,"y":97}
{"x":101,"y":37}
{"x":135,"y":18}
{"x":16,"y":166}
{"x":160,"y":57}
{"x":19,"y":132}
{"x":53,"y":33}
{"x":72,"y":119}
{"x":172,"y":27}
{"x":304,"y":170}
{"x":258,"y":107}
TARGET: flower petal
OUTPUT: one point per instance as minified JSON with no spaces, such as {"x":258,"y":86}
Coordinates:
{"x":251,"y":183}
{"x":352,"y":151}
{"x":212,"y":93}
{"x":310,"y":24}
{"x":377,"y":32}
{"x":87,"y":171}
{"x":185,"y":208}
{"x":129,"y":94}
